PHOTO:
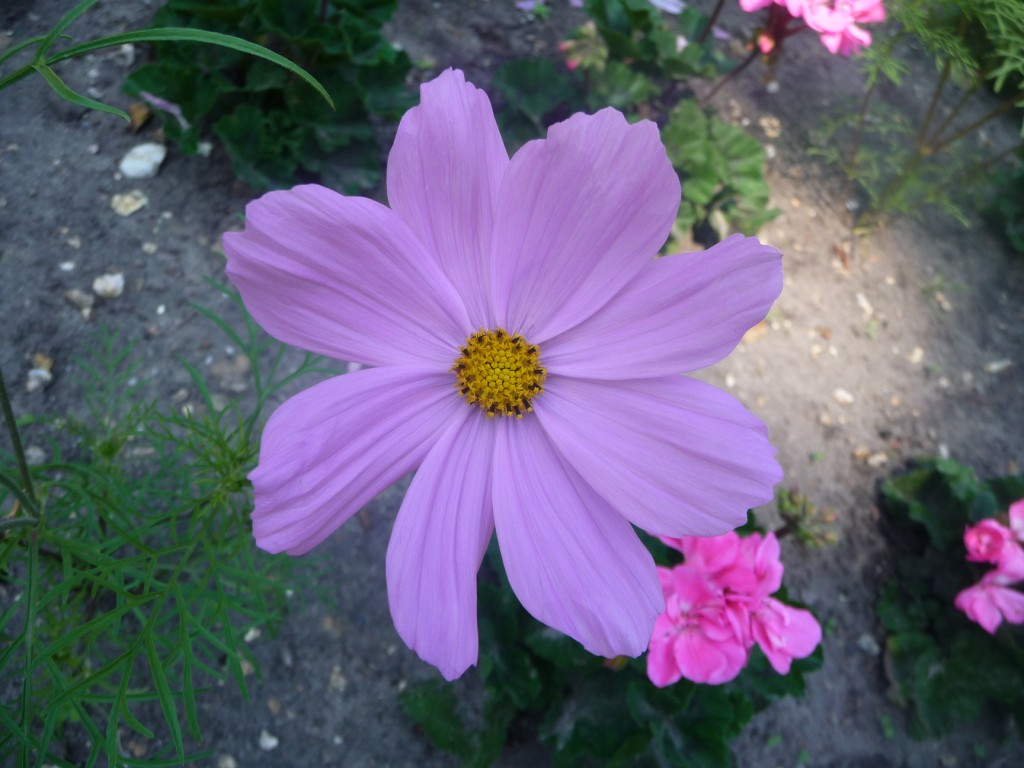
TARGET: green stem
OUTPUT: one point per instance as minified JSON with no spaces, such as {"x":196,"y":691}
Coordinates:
{"x":711,"y":22}
{"x":967,"y":94}
{"x":858,"y":135}
{"x":727,"y":77}
{"x":18,"y":522}
{"x":922,"y":134}
{"x":28,"y":635}
{"x":19,"y":452}
{"x":991,"y":115}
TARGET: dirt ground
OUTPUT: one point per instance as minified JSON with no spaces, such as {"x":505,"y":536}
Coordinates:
{"x":908,"y":327}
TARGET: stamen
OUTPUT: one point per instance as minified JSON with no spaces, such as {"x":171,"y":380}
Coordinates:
{"x":499,"y":372}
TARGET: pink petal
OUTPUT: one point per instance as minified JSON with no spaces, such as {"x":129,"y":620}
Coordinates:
{"x":709,"y":660}
{"x":344,"y":277}
{"x":438,"y":543}
{"x":675,"y":456}
{"x":681,"y":313}
{"x":662,"y":669}
{"x":784,"y":633}
{"x":1009,"y":602}
{"x":580,"y":214}
{"x":977,"y":602}
{"x":1017,"y":519}
{"x":572,"y":561}
{"x":327,"y":451}
{"x":444,"y":171}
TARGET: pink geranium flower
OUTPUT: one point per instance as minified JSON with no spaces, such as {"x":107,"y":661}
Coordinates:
{"x":523,"y":350}
{"x":783,"y":632}
{"x":986,"y":541}
{"x":695,"y":637}
{"x":990,"y":601}
{"x":1017,"y":519}
{"x":836,"y":22}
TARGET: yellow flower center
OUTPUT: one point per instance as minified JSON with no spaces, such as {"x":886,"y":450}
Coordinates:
{"x":499,"y":372}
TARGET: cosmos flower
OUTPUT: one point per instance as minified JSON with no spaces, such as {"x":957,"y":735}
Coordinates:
{"x":523,"y":350}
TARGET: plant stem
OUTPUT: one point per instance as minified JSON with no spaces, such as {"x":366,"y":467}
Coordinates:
{"x":19,"y":452}
{"x":711,"y":22}
{"x":991,"y":115}
{"x":858,"y":135}
{"x":18,"y":522}
{"x":701,"y":102}
{"x":922,"y":134}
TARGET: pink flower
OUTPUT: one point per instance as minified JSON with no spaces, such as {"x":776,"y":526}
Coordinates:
{"x":695,"y":637}
{"x":523,"y":351}
{"x":750,"y":6}
{"x":986,"y":541}
{"x":784,"y":633}
{"x":836,"y":21}
{"x":1017,"y":519}
{"x":989,"y":602}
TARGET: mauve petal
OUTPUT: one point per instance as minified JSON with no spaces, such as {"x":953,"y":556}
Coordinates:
{"x":573,"y":562}
{"x":444,"y":171}
{"x":710,"y":661}
{"x":675,"y":456}
{"x":344,"y":277}
{"x":681,"y":313}
{"x":327,"y":451}
{"x":438,"y":543}
{"x":580,"y":213}
{"x":1010,"y":603}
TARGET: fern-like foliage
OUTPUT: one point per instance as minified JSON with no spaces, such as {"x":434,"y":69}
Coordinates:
{"x":135,"y":590}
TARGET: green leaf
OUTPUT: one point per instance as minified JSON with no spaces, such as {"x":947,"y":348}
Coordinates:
{"x":186,"y":35}
{"x":65,"y":92}
{"x":432,"y":705}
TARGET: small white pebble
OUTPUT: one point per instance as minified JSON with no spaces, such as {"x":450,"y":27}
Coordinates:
{"x":161,"y":309}
{"x":842,"y":396}
{"x":109,"y":286}
{"x":730,"y":380}
{"x":67,"y":266}
{"x":268,"y":741}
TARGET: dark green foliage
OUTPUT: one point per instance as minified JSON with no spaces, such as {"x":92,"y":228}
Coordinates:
{"x":275,"y":128}
{"x":590,"y":711}
{"x":947,"y":669}
{"x":721,"y":168}
{"x":1006,"y":206}
{"x":134,"y":590}
{"x":537,"y":94}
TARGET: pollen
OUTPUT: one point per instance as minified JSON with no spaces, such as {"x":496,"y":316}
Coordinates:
{"x":499,"y":372}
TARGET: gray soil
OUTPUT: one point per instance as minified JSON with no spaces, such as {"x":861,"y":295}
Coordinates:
{"x":907,"y":322}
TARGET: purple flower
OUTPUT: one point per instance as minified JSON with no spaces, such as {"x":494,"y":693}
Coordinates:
{"x":523,"y":348}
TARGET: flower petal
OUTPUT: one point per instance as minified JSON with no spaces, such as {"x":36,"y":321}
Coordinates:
{"x":344,"y":277}
{"x":572,"y":561}
{"x":681,"y":313}
{"x":437,"y":544}
{"x":327,"y":451}
{"x":675,"y":456}
{"x":444,"y":171}
{"x":580,"y":214}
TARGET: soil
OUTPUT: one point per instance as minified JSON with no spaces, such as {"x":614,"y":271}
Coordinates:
{"x":907,"y":321}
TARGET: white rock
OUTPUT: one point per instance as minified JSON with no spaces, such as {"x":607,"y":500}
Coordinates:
{"x":38,"y":379}
{"x":268,"y":741}
{"x":842,"y":396}
{"x":109,"y":286}
{"x":916,"y":356}
{"x":998,"y":366}
{"x":127,"y":203}
{"x":143,"y":161}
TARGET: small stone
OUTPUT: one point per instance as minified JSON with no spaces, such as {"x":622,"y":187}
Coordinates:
{"x":861,"y":453}
{"x":730,"y":381}
{"x":287,"y":658}
{"x":338,"y":681}
{"x":75,"y":242}
{"x":143,"y":161}
{"x":93,"y":149}
{"x":38,"y":379}
{"x":127,"y":203}
{"x":149,"y":248}
{"x":268,"y":741}
{"x":877,"y":460}
{"x":868,"y":644}
{"x":109,"y":286}
{"x":998,"y":366}
{"x":943,"y":302}
{"x":138,"y":746}
{"x":865,"y":306}
{"x":39,"y":360}
{"x":943,"y":451}
{"x":916,"y":356}
{"x":274,"y":705}
{"x":67,"y":266}
{"x":34,"y":455}
{"x":180,"y":396}
{"x":842,"y":396}
{"x":252,"y":635}
{"x":81,"y":300}
{"x":226,"y":761}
